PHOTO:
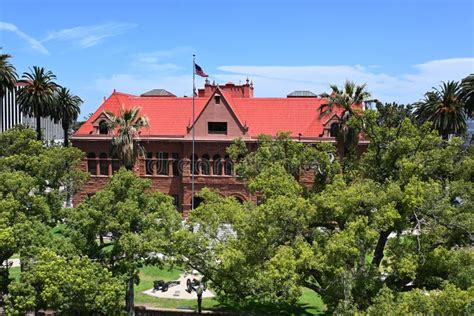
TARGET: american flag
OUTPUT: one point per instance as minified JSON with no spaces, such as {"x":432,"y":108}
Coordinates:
{"x":198,"y":70}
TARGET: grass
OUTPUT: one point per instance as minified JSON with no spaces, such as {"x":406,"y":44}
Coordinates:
{"x":58,"y":229}
{"x":310,"y":303}
{"x":14,"y":273}
{"x":148,"y":274}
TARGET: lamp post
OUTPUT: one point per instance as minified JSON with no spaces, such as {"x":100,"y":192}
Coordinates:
{"x":199,"y":287}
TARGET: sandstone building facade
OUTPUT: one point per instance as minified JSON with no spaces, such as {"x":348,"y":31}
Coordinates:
{"x":222,"y":114}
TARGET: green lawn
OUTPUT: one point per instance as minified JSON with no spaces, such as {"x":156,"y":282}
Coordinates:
{"x":309,"y":304}
{"x":15,"y":273}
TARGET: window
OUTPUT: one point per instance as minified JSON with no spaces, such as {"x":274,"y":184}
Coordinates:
{"x":176,"y":201}
{"x":217,"y":127}
{"x":196,"y":201}
{"x":334,"y":129}
{"x":115,"y":164}
{"x":91,"y":164}
{"x":104,"y":165}
{"x":103,"y":128}
{"x":205,"y":164}
{"x":176,"y":171}
{"x":228,"y":166}
{"x":217,"y":99}
{"x":149,"y":164}
{"x":217,"y":165}
{"x":162,"y":163}
{"x":194,"y":166}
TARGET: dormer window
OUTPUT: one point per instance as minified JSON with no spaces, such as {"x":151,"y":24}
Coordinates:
{"x":217,"y":128}
{"x":103,"y":128}
{"x":217,"y":99}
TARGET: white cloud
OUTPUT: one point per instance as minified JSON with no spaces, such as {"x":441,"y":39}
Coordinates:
{"x":160,"y":60}
{"x":404,"y":88}
{"x":32,"y":42}
{"x":89,"y":36}
{"x":136,"y":84}
{"x":278,"y":81}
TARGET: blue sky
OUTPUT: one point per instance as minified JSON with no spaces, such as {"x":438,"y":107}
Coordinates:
{"x":399,"y":48}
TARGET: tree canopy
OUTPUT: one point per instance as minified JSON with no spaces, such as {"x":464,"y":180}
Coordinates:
{"x":35,"y":183}
{"x":401,"y":221}
{"x":124,"y":226}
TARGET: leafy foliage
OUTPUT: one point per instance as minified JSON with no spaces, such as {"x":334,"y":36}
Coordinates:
{"x":403,"y":220}
{"x":132,"y":226}
{"x":36,"y":97}
{"x":351,"y":100}
{"x":444,"y":109}
{"x":66,"y":110}
{"x":126,"y":127}
{"x":35,"y":182}
{"x":73,"y":285}
{"x":8,"y":74}
{"x":467,"y":94}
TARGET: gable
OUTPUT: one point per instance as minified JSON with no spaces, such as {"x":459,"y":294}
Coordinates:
{"x":218,"y":112}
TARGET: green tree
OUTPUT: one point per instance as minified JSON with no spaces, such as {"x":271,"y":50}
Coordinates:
{"x":8,"y":74}
{"x":406,"y":208}
{"x":449,"y":301}
{"x":296,"y":158}
{"x":36,"y":97}
{"x":71,"y":286}
{"x":125,"y":128}
{"x":66,"y":110}
{"x":444,"y":109}
{"x":350,"y":100}
{"x":467,"y":94}
{"x":35,"y":182}
{"x":138,"y":224}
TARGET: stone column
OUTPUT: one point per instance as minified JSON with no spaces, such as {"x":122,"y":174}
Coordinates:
{"x":97,"y":166}
{"x":211,"y":167}
{"x":170,"y":167}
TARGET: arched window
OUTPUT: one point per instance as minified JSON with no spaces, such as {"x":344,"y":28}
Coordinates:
{"x":103,"y":128}
{"x":239,"y":199}
{"x":195,"y":166}
{"x":104,"y":164}
{"x":217,"y":165}
{"x":334,"y":129}
{"x":228,"y":166}
{"x":115,"y":164}
{"x":205,"y":164}
{"x":197,"y":201}
{"x":91,"y":164}
{"x":162,"y":163}
{"x":149,"y":164}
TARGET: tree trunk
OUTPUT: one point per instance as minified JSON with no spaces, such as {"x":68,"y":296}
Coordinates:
{"x":38,"y":127}
{"x":66,"y":134}
{"x":130,"y":297}
{"x":378,"y":252}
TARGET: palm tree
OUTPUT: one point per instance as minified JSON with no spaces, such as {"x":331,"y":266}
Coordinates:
{"x":36,"y":97}
{"x":349,"y":98}
{"x":467,"y":94}
{"x":125,"y":128}
{"x":7,"y":74}
{"x":66,"y":109}
{"x":444,"y":109}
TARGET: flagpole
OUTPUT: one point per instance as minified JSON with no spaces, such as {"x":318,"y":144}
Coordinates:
{"x":192,"y":157}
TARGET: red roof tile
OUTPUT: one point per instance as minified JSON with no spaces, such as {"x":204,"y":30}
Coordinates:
{"x":170,"y":116}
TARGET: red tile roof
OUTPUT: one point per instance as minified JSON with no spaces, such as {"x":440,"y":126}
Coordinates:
{"x":171,"y":116}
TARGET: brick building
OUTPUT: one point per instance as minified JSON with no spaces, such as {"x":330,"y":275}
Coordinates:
{"x":223,"y":113}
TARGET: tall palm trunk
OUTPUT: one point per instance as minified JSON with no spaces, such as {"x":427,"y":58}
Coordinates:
{"x":66,"y":133}
{"x":38,"y":127}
